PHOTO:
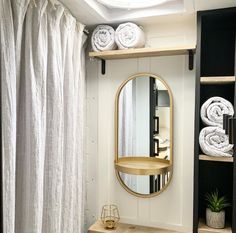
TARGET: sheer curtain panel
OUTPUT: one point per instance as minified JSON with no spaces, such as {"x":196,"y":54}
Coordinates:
{"x":42,"y":91}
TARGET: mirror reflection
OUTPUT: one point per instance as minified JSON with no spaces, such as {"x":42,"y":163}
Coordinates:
{"x":144,"y":130}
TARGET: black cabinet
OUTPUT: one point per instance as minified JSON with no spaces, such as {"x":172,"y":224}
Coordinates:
{"x":215,"y":76}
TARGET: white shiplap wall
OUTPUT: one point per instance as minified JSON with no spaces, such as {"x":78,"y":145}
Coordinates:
{"x":173,"y":208}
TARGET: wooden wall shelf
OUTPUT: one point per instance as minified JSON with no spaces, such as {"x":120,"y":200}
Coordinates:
{"x":217,"y":80}
{"x":203,"y":228}
{"x":143,"y":165}
{"x":143,"y":52}
{"x":216,"y":159}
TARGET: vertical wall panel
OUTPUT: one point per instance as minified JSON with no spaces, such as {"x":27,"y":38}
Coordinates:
{"x":173,"y":208}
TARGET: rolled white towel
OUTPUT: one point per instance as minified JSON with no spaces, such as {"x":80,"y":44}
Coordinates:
{"x":213,"y":109}
{"x":103,"y":38}
{"x":129,"y":35}
{"x":213,"y":141}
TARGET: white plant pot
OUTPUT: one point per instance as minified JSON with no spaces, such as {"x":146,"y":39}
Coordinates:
{"x":215,"y":219}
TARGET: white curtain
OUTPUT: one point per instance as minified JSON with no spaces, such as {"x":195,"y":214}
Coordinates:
{"x":43,"y":89}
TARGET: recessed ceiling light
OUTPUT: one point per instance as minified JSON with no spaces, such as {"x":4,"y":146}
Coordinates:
{"x":131,"y":4}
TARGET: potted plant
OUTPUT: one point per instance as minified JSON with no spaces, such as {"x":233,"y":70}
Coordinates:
{"x":215,"y":213}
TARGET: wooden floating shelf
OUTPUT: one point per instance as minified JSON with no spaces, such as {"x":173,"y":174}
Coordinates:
{"x":143,"y":52}
{"x":143,"y":165}
{"x":203,"y":228}
{"x":218,"y":80}
{"x":216,"y":159}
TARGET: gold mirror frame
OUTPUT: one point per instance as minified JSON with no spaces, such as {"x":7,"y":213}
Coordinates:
{"x":147,"y":75}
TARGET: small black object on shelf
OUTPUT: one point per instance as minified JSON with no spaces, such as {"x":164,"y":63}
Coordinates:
{"x":226,"y":118}
{"x":229,"y":125}
{"x":232,"y":130}
{"x":156,"y":147}
{"x":156,"y":125}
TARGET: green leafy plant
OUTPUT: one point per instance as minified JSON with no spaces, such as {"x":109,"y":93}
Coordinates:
{"x":216,"y":203}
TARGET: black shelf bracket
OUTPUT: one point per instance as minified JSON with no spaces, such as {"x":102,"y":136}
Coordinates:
{"x":190,"y":59}
{"x":103,"y":66}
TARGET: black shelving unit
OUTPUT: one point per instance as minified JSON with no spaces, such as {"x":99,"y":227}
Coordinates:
{"x":234,"y":175}
{"x":215,"y":57}
{"x":1,"y":166}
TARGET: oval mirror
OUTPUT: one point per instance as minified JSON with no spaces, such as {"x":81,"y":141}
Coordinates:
{"x":143,"y":135}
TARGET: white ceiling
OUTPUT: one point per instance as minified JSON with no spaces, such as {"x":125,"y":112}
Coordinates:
{"x":131,"y":4}
{"x":90,"y":12}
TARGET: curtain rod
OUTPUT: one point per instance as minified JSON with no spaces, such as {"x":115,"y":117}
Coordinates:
{"x":86,"y":32}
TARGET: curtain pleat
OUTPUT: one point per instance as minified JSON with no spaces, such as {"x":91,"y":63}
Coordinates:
{"x":54,"y":141}
{"x":79,"y":82}
{"x":34,"y":93}
{"x":68,"y":26}
{"x":8,"y":101}
{"x":19,"y":8}
{"x":43,"y":90}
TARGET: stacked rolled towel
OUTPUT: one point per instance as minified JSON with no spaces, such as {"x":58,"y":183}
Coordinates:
{"x":103,"y":38}
{"x":129,"y":35}
{"x":213,"y":141}
{"x":213,"y":109}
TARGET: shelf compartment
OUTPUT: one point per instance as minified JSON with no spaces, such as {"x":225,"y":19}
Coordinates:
{"x":203,"y":228}
{"x":216,"y":159}
{"x":217,"y":80}
{"x":143,"y":165}
{"x":143,"y":52}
